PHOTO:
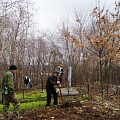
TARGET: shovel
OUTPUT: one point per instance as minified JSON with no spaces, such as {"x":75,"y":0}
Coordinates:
{"x":60,"y":93}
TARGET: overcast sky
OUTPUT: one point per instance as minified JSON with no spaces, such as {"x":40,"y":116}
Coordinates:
{"x":51,"y":12}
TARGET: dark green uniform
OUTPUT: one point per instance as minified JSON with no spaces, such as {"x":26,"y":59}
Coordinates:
{"x":7,"y":92}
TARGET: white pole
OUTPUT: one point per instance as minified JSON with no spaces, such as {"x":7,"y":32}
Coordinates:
{"x":69,"y":78}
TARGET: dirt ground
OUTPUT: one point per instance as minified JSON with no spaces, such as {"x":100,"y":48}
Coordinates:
{"x":73,"y":108}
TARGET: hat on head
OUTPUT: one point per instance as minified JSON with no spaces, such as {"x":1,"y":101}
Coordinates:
{"x":56,"y":72}
{"x":12,"y":67}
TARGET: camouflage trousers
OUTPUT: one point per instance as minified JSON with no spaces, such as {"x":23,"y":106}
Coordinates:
{"x":7,"y":99}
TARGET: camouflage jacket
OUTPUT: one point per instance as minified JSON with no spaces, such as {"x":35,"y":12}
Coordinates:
{"x":8,"y":80}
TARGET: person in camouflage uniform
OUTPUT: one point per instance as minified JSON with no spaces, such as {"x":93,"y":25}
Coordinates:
{"x":8,"y":92}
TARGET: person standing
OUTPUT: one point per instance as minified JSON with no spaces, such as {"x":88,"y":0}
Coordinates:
{"x":51,"y":81}
{"x":60,"y":73}
{"x":8,"y":93}
{"x":26,"y":81}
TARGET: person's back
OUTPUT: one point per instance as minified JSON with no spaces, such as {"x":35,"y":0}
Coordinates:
{"x":60,"y":73}
{"x":60,"y":70}
{"x":26,"y":80}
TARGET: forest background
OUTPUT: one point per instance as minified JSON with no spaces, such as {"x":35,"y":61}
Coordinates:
{"x":90,"y":46}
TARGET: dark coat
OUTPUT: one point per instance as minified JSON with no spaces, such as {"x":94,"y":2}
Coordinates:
{"x":51,"y":81}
